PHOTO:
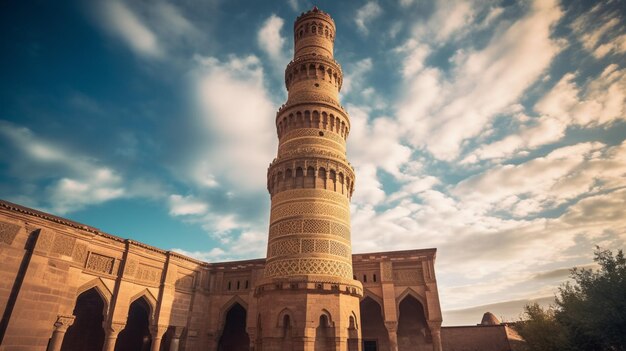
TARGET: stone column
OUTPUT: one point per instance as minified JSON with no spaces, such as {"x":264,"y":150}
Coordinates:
{"x":175,"y":342}
{"x":60,"y":327}
{"x":111,"y":331}
{"x":252,"y":336}
{"x":392,"y":331}
{"x":157,"y":332}
{"x":435,"y":332}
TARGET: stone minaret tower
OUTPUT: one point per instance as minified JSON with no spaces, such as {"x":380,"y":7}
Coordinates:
{"x":308,"y":299}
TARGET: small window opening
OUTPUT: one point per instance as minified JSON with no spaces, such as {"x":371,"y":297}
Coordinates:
{"x":364,"y":278}
{"x":238,"y":285}
{"x":246,"y":284}
{"x":286,"y":324}
{"x":374,"y":278}
{"x":229,"y":285}
{"x":322,"y":134}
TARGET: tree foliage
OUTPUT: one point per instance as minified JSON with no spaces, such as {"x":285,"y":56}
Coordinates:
{"x":590,"y":313}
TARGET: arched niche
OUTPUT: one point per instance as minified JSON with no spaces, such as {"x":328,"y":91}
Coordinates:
{"x":136,"y":334}
{"x":413,"y":332}
{"x":86,"y":333}
{"x":373,"y":331}
{"x":234,"y":335}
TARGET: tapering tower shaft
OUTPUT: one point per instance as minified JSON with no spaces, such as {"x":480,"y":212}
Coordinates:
{"x":308,"y":281}
{"x":311,"y":181}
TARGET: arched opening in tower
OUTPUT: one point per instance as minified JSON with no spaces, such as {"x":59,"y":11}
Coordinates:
{"x":136,"y":335}
{"x":413,"y":332}
{"x":86,"y":333}
{"x":234,"y":336}
{"x":373,"y":331}
{"x":287,"y":344}
{"x":323,"y":335}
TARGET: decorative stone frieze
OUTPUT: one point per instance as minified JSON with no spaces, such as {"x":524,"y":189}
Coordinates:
{"x":100,"y":263}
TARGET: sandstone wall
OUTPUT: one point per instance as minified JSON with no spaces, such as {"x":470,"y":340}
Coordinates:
{"x":475,"y":338}
{"x":48,"y":262}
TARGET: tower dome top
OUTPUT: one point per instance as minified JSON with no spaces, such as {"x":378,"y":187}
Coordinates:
{"x":489,"y":319}
{"x":315,"y":12}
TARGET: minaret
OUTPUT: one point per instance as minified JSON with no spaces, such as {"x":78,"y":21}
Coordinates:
{"x":308,"y":299}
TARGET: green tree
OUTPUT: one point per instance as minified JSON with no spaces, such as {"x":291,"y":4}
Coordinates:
{"x":540,"y":329}
{"x":590,"y":313}
{"x":593,"y":309}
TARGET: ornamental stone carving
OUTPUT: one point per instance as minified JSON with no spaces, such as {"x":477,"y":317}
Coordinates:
{"x":100,"y":263}
{"x":148,"y":274}
{"x":414,"y":275}
{"x":8,"y":231}
{"x":80,"y":253}
{"x":63,"y":322}
{"x":131,"y":267}
{"x":44,"y":240}
{"x":63,"y":245}
{"x":386,"y":271}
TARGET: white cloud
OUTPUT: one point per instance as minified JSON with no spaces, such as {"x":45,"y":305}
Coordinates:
{"x":375,"y":142}
{"x":212,"y":255}
{"x":415,"y":56}
{"x":458,"y":14}
{"x":152,"y":30}
{"x":272,"y":42}
{"x":367,"y":13}
{"x":237,"y":116}
{"x":450,"y":21}
{"x":68,"y":195}
{"x":540,"y":131}
{"x":406,"y":3}
{"x":543,"y":179}
{"x":482,"y":222}
{"x":293,"y":4}
{"x":602,"y":100}
{"x":247,"y":244}
{"x":122,"y":22}
{"x":355,"y":77}
{"x":372,"y":145}
{"x":186,"y":205}
{"x":598,"y":102}
{"x":601,"y":32}
{"x":76,"y":181}
{"x":440,"y":114}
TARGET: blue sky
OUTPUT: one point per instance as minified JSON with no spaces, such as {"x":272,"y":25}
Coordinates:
{"x":492,"y":130}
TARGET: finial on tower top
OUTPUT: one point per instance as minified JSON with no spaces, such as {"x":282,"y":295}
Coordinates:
{"x":315,"y":9}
